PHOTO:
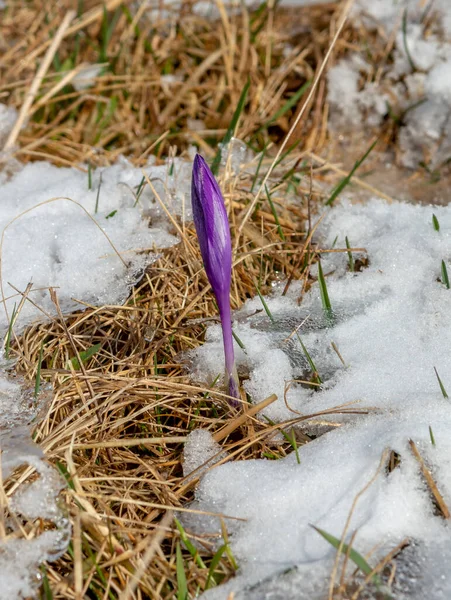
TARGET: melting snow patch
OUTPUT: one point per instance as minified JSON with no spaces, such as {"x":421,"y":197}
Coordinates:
{"x":412,"y":85}
{"x":20,"y":556}
{"x":90,"y":243}
{"x":390,"y":323}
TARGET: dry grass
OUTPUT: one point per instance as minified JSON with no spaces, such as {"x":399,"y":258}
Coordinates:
{"x":116,"y":426}
{"x":179,"y":78}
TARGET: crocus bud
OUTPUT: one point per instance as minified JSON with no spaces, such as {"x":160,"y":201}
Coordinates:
{"x":212,"y":227}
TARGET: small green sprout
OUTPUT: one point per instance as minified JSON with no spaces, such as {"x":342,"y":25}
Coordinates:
{"x":445,"y":278}
{"x":189,"y":545}
{"x":316,"y":377}
{"x":85,"y":355}
{"x":290,"y":438}
{"x":289,"y":103}
{"x":238,"y":341}
{"x":345,"y":181}
{"x":350,"y":257}
{"x":442,"y":387}
{"x":139,"y":191}
{"x":182,"y":584}
{"x":259,"y":164}
{"x":47,"y":593}
{"x":10,"y":332}
{"x":435,"y":223}
{"x":327,"y":306}
{"x":98,"y":195}
{"x":431,"y":435}
{"x":274,"y":214}
{"x":265,"y":306}
{"x":37,"y":385}
{"x":355,"y":556}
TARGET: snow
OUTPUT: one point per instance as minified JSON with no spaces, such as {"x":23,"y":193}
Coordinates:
{"x":392,"y":315}
{"x":20,"y":558}
{"x":281,"y":499}
{"x":413,"y":83}
{"x":391,"y":326}
{"x":390,"y":323}
{"x":201,"y":451}
{"x":8,"y":115}
{"x":89,"y":244}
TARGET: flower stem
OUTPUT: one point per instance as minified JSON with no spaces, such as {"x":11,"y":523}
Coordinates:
{"x":227,"y":336}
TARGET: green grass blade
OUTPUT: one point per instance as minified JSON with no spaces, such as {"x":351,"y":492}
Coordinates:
{"x":107,"y":30}
{"x":228,"y":549}
{"x":294,"y":445}
{"x":431,"y":435}
{"x":130,"y":20}
{"x":265,"y":306}
{"x":37,"y":385}
{"x":89,"y":176}
{"x":231,"y":130}
{"x":290,"y":439}
{"x":345,"y":181}
{"x":355,"y":556}
{"x":238,"y":341}
{"x":182,"y":585}
{"x":289,"y":103}
{"x":65,"y":473}
{"x":189,"y":545}
{"x":96,"y":208}
{"x":9,"y":334}
{"x":435,"y":223}
{"x":323,"y":290}
{"x":259,"y":164}
{"x":47,"y":593}
{"x":139,"y":191}
{"x":350,"y":258}
{"x":85,"y":355}
{"x":309,"y":360}
{"x":106,"y":116}
{"x":212,"y":385}
{"x":261,"y":13}
{"x":284,"y":156}
{"x":214,"y":563}
{"x":274,"y":214}
{"x":93,"y":560}
{"x":445,"y":278}
{"x":442,"y":387}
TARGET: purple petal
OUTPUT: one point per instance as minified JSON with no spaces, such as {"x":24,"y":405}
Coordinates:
{"x":212,"y":226}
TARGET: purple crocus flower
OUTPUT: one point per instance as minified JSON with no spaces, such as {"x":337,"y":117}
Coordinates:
{"x":212,"y":226}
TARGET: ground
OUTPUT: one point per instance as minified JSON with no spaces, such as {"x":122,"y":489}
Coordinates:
{"x":114,"y":422}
